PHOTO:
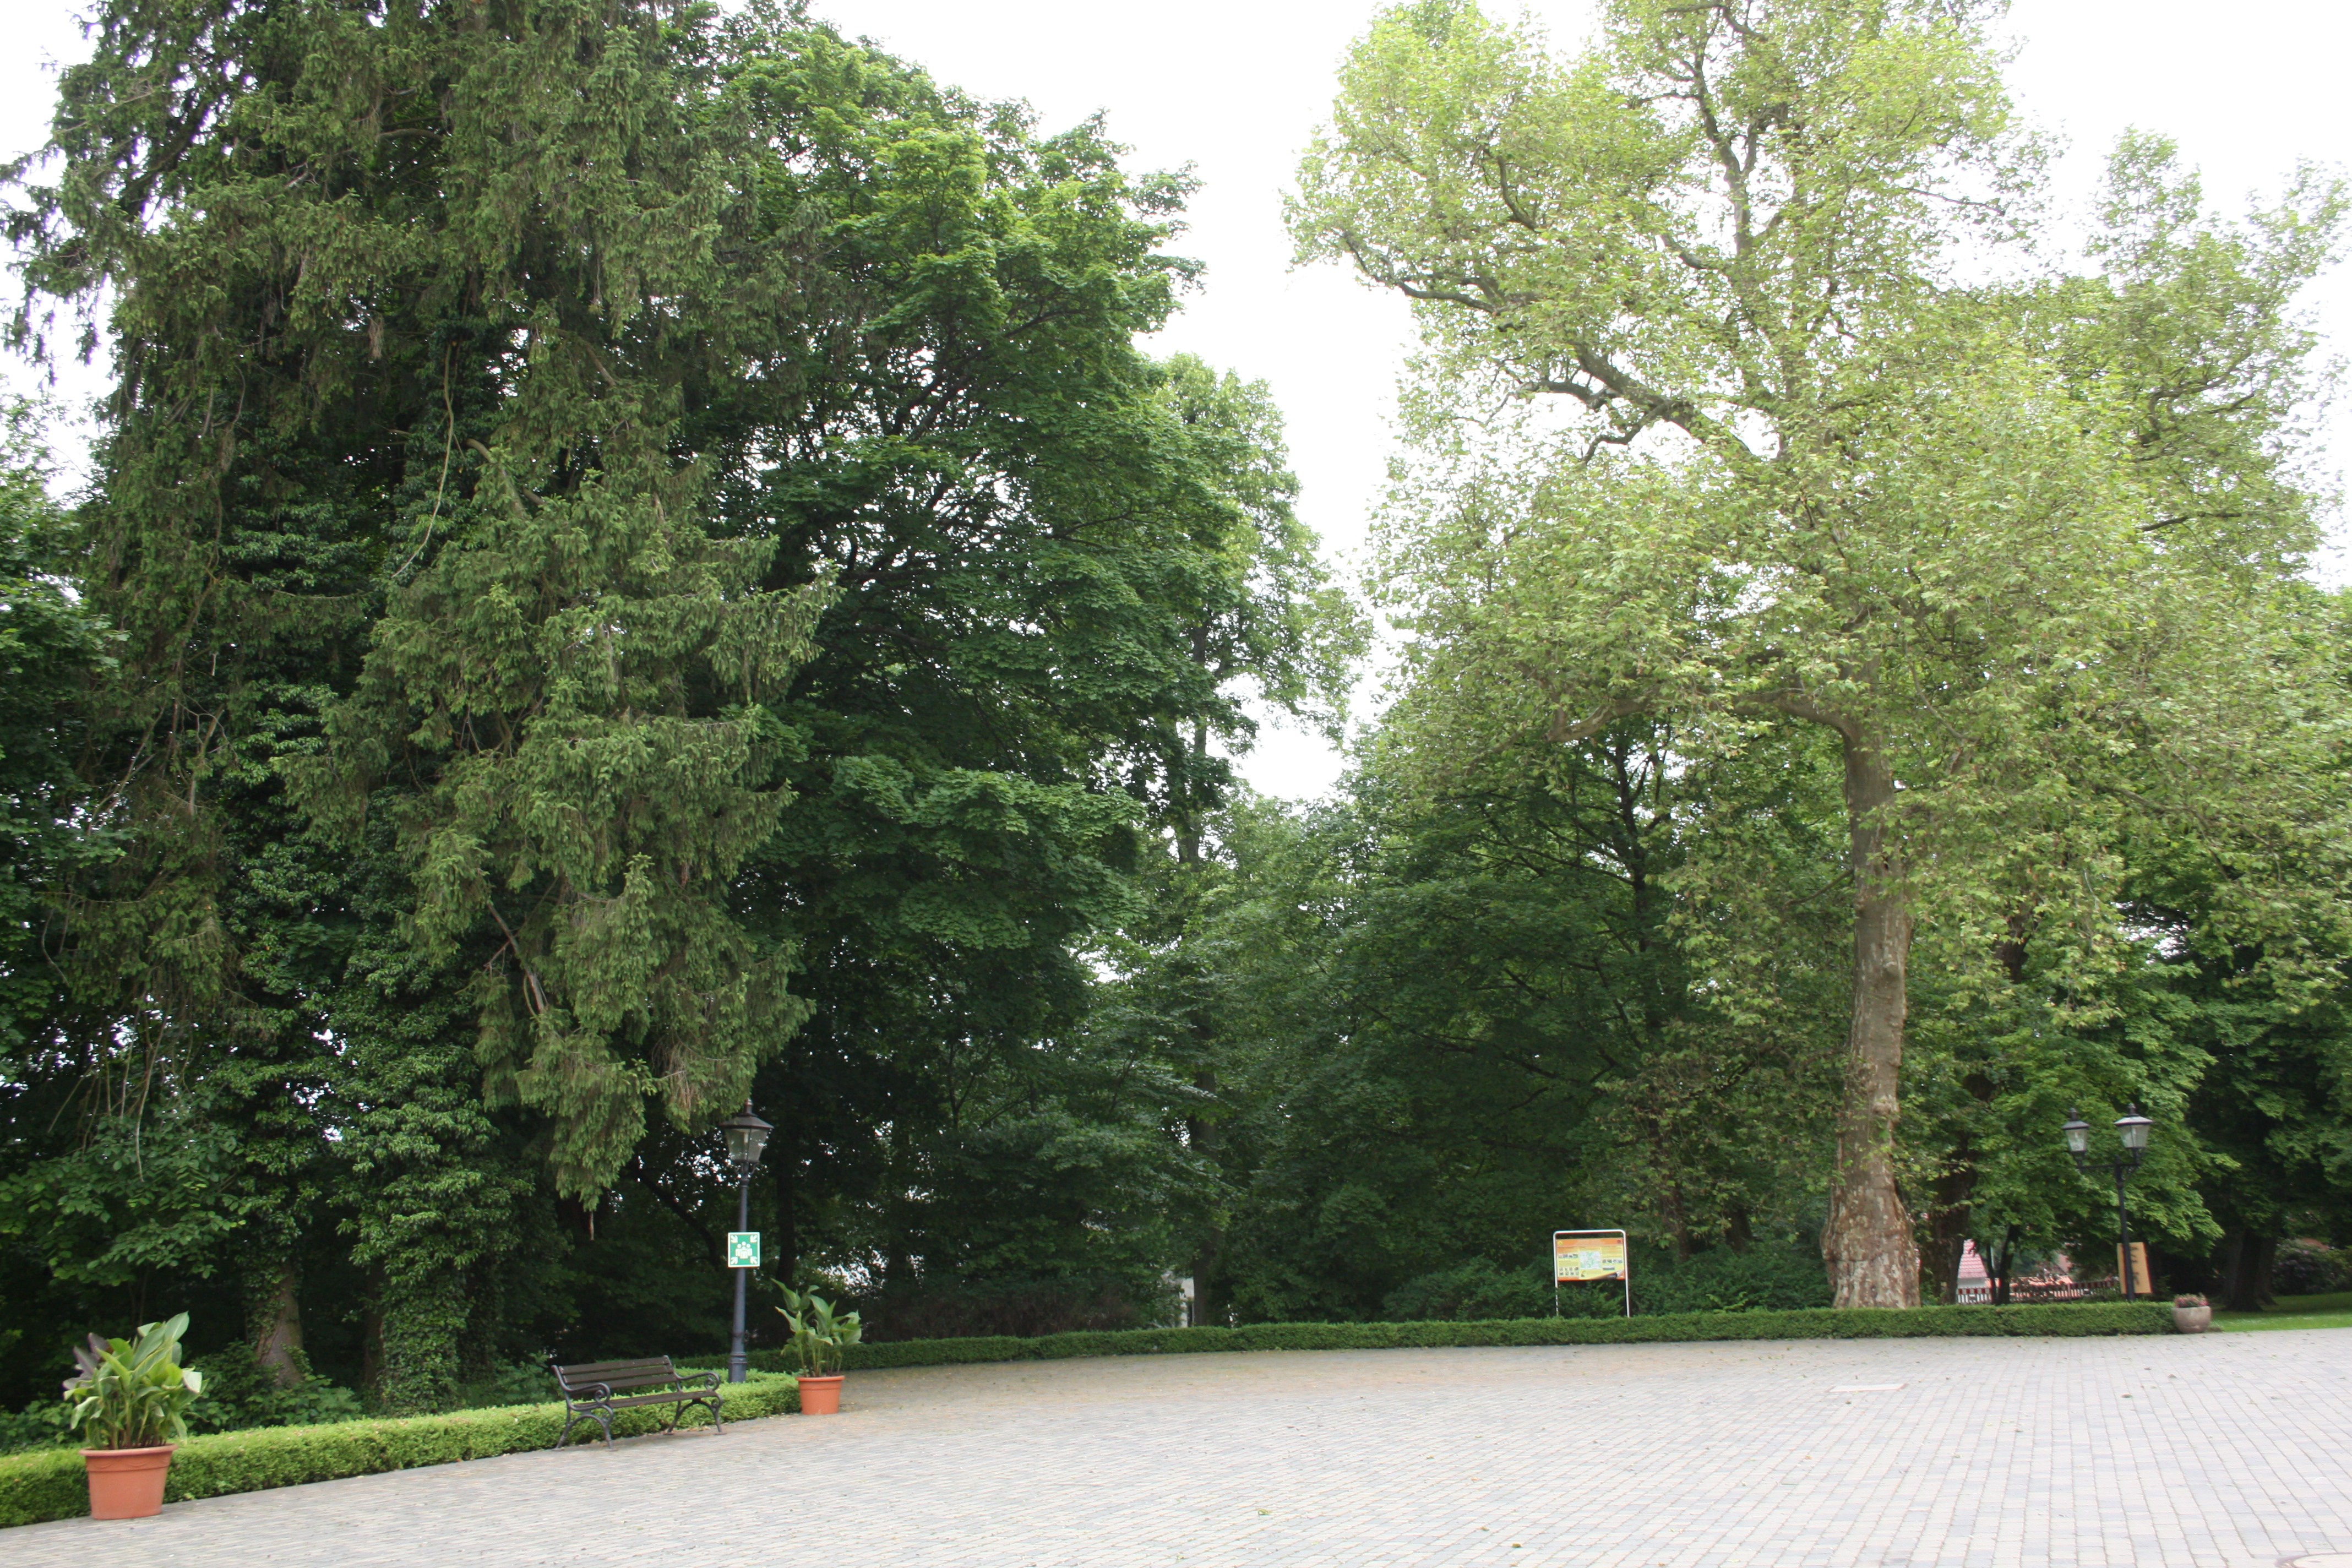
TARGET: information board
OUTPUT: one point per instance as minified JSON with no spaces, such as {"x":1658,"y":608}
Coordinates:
{"x":2137,"y":1263}
{"x":1583,"y":1257}
{"x":1587,"y":1254}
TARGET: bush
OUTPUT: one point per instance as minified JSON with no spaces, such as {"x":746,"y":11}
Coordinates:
{"x":1021,"y":1311}
{"x":1474,"y":1290}
{"x":42,"y":1425}
{"x":1822,"y":1324}
{"x":2306,"y":1268}
{"x":1762,"y":1279}
{"x":518,"y":1382}
{"x":239,"y":1396}
{"x":50,"y":1484}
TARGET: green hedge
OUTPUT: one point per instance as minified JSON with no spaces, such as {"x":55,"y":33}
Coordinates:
{"x":1816,"y":1323}
{"x":49,"y":1483}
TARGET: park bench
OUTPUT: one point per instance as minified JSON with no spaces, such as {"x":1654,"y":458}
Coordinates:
{"x":593,"y":1390}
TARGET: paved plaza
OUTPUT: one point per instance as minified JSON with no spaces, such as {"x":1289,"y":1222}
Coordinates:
{"x":2219,"y":1449}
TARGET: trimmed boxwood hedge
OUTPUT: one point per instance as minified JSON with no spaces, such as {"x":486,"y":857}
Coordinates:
{"x":49,"y":1483}
{"x":1814,"y":1323}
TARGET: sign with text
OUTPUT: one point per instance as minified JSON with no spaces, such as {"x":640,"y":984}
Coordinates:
{"x":743,"y":1249}
{"x":2138,"y":1276}
{"x":1587,"y":1254}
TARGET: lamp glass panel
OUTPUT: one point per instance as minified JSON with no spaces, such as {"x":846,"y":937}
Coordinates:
{"x":2078,"y":1137}
{"x":747,"y":1136}
{"x":2134,"y":1131}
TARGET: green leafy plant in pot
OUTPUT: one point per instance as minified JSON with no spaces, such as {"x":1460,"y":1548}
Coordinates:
{"x":819,"y":1339}
{"x":129,"y":1404}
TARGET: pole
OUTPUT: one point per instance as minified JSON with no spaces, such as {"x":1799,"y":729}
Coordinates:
{"x":739,"y":1364}
{"x":2122,"y":1232}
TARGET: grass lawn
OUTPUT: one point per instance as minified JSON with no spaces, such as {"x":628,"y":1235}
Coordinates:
{"x":2294,"y":1312}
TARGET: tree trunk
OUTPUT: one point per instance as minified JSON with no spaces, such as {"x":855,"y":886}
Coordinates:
{"x":2246,"y":1271}
{"x":1873,"y":1260}
{"x":1211,"y":1305}
{"x":785,"y":1260}
{"x":273,"y":1318}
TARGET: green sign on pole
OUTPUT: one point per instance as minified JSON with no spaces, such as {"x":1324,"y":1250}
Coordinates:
{"x":743,"y":1249}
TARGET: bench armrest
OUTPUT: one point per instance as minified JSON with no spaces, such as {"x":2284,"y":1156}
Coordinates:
{"x":587,"y":1393}
{"x":711,"y":1382}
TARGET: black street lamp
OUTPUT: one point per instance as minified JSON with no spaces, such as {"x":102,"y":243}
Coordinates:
{"x":747,"y":1136}
{"x":2132,"y":1133}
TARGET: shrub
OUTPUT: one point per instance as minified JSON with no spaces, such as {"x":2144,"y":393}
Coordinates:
{"x":1822,"y":1324}
{"x":2307,"y":1267}
{"x":1023,"y":1311}
{"x":1762,"y":1279}
{"x":240,"y":1395}
{"x":49,"y":1484}
{"x":41,"y":1425}
{"x":1475,"y":1289}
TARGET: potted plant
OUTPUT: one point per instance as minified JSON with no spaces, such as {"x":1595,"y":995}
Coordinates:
{"x":2191,"y":1314}
{"x":819,"y":1338}
{"x":130,"y":1402}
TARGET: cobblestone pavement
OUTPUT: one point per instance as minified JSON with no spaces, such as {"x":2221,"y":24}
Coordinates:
{"x":2221,"y":1449}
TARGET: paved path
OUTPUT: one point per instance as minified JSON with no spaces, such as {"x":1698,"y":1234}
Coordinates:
{"x":2220,"y":1450}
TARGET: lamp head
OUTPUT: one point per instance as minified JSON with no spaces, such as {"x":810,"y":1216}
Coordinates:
{"x":747,"y":1137}
{"x":2078,"y":1134}
{"x":2132,"y":1129}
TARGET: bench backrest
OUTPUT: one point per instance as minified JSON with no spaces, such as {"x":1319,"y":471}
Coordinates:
{"x":645,"y":1371}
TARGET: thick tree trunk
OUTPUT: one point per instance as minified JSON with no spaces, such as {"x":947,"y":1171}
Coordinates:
{"x":2246,"y":1271}
{"x":273,"y":1317}
{"x":1873,"y":1260}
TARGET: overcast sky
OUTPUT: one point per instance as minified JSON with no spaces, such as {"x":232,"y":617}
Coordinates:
{"x":1236,"y":89}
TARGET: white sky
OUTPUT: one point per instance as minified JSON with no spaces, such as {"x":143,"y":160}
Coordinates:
{"x":1236,"y":89}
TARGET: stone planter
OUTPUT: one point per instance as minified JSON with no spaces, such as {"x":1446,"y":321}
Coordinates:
{"x":2191,"y":1320}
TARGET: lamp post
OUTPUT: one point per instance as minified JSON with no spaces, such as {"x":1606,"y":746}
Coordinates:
{"x":747,"y":1136}
{"x":2131,"y":1132}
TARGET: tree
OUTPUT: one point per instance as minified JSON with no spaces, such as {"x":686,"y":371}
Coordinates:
{"x":1808,"y":471}
{"x":625,"y":525}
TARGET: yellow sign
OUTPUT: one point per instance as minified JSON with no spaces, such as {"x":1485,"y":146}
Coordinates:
{"x":2139,"y":1261}
{"x":1587,"y":1254}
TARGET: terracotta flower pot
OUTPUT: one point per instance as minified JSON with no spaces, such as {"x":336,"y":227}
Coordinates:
{"x":820,"y":1395}
{"x":126,"y":1483}
{"x":2192,"y":1319}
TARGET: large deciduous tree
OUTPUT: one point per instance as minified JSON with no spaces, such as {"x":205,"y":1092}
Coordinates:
{"x":1724,"y":421}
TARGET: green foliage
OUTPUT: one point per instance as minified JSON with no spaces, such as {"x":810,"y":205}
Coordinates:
{"x":820,"y":1337}
{"x":240,"y":1394}
{"x":2309,"y":1268}
{"x":51,"y":645}
{"x":133,"y":1393}
{"x":37,"y":1487}
{"x":1761,"y":1278}
{"x":1710,"y":433}
{"x":1477,"y":1292}
{"x":45,"y":1425}
{"x":608,"y":600}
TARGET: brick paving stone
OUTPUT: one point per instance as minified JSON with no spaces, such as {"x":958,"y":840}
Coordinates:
{"x":2211,"y":1451}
